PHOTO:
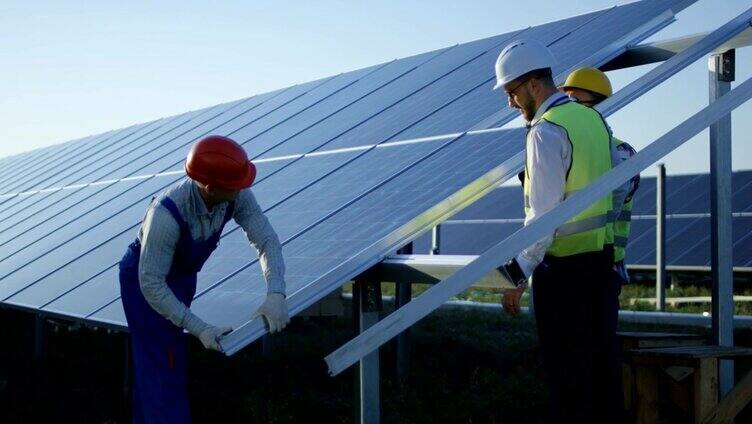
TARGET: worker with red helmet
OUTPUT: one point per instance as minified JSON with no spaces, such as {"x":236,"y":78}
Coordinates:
{"x":158,"y":272}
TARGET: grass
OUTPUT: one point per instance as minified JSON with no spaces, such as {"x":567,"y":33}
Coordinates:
{"x":643,"y":286}
{"x":465,"y":367}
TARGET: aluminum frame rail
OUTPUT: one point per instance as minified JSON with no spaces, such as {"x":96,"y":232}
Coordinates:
{"x":659,"y":51}
{"x":404,"y":317}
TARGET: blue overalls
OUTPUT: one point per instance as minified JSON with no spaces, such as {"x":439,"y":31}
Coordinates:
{"x":159,"y":347}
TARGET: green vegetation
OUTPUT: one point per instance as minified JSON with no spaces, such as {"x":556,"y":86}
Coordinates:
{"x":465,"y":366}
{"x":642,"y":287}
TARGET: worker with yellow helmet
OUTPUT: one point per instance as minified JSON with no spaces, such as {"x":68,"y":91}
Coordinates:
{"x":568,"y":146}
{"x":590,"y":86}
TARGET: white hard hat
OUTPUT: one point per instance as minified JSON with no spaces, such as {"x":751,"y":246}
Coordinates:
{"x":520,"y":57}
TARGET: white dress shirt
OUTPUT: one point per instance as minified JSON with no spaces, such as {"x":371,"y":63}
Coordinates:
{"x":549,"y":156}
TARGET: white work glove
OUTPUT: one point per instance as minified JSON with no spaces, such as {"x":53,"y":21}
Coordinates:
{"x":274,"y":311}
{"x":211,"y":335}
{"x":208,"y":334}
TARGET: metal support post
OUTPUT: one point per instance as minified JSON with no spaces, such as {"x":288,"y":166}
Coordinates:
{"x":267,"y":345}
{"x":660,"y":239}
{"x":721,"y":67}
{"x":127,"y":367}
{"x":436,"y":240}
{"x":403,"y":294}
{"x":356,"y":328}
{"x":368,"y":304}
{"x":39,"y":339}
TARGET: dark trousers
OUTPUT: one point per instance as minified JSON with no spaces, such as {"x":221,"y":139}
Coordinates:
{"x":576,"y":310}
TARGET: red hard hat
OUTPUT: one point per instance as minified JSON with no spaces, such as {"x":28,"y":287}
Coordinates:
{"x":220,"y":161}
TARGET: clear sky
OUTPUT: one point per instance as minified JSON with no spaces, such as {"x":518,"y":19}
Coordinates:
{"x":71,"y":69}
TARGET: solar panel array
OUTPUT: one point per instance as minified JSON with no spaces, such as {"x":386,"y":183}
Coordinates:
{"x":344,"y":164}
{"x":499,"y":214}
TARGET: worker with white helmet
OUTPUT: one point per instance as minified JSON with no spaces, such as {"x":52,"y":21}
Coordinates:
{"x":567,"y":148}
{"x":158,"y":272}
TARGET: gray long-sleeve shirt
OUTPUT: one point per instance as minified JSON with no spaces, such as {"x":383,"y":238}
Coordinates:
{"x":160,"y":232}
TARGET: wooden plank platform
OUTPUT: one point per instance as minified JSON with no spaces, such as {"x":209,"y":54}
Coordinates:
{"x":691,"y":352}
{"x":702,"y":363}
{"x":644,"y":340}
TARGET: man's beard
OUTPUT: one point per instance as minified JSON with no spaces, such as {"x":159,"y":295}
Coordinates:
{"x":528,"y":110}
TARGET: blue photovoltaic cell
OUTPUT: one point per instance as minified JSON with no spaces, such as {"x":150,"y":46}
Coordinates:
{"x":98,"y":171}
{"x":45,"y":251}
{"x":12,"y":165}
{"x":139,"y":146}
{"x":743,"y":241}
{"x":59,"y":249}
{"x":688,"y":234}
{"x":466,"y":239}
{"x":641,"y":241}
{"x":56,"y":174}
{"x":688,"y":241}
{"x":43,"y":170}
{"x":741,"y":201}
{"x":434,"y":109}
{"x":109,"y":153}
{"x":79,"y":203}
{"x":333,"y":115}
{"x":24,"y":162}
{"x":37,"y":208}
{"x":501,"y":203}
{"x":22,"y":205}
{"x":20,"y":171}
{"x":86,"y":210}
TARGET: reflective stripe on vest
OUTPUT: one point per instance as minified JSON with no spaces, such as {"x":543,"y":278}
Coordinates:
{"x":622,"y":223}
{"x":591,"y":157}
{"x":586,"y":224}
{"x":621,"y":231}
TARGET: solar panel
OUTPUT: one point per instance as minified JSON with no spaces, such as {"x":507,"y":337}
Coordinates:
{"x":12,"y":165}
{"x":344,"y":164}
{"x":743,"y":238}
{"x":496,"y":216}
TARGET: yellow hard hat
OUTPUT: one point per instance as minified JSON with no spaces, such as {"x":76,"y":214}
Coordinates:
{"x":591,"y":79}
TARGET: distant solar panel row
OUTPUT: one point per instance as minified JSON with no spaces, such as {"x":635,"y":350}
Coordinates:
{"x":344,"y":164}
{"x":499,"y":214}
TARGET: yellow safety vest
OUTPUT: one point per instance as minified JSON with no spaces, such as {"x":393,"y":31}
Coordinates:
{"x":590,"y":139}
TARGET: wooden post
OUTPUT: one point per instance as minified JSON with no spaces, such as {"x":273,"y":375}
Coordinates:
{"x":705,"y":388}
{"x":732,"y":404}
{"x":647,"y":395}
